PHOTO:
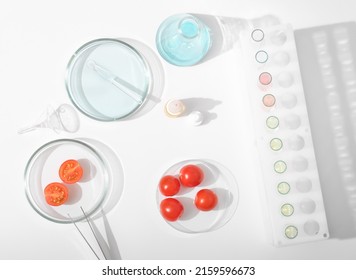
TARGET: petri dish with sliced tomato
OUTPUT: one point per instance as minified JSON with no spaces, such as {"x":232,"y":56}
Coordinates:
{"x":70,"y":171}
{"x":56,"y":194}
{"x":91,"y":192}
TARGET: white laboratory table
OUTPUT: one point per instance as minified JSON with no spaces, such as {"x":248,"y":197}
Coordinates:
{"x":37,"y":38}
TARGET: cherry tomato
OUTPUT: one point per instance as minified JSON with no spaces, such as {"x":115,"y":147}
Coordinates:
{"x":171,"y":209}
{"x":70,"y":171}
{"x":169,"y":185}
{"x":191,"y":175}
{"x":56,"y":194}
{"x":205,"y":200}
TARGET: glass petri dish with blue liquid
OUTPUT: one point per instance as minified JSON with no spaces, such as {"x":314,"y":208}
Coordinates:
{"x":108,"y":79}
{"x":183,"y":40}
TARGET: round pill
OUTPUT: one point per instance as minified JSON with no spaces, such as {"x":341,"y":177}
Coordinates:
{"x":174,"y":108}
{"x":196,"y":118}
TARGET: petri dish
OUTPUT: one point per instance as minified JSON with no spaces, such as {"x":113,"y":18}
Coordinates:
{"x":108,"y":79}
{"x":291,"y":232}
{"x":272,"y":122}
{"x":261,"y":56}
{"x":280,"y":166}
{"x":276,"y":144}
{"x":283,"y":188}
{"x":307,"y":206}
{"x":287,"y":210}
{"x":311,"y":227}
{"x":265,"y":78}
{"x":216,"y":178}
{"x":269,"y":100}
{"x":257,"y":35}
{"x":90,"y":192}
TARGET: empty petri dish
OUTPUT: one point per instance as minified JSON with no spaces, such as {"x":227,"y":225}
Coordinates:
{"x":311,"y":227}
{"x":261,"y":56}
{"x":108,"y":79}
{"x":283,"y":188}
{"x":278,"y":37}
{"x":285,"y":79}
{"x":296,"y":143}
{"x":280,"y":166}
{"x":89,"y":193}
{"x":276,"y":144}
{"x":281,"y":58}
{"x":289,"y":100}
{"x":293,"y":121}
{"x":287,"y":209}
{"x":269,"y":100}
{"x":303,"y":184}
{"x":307,"y":206}
{"x":257,"y":35}
{"x":272,"y":122}
{"x":216,"y":178}
{"x":300,"y":163}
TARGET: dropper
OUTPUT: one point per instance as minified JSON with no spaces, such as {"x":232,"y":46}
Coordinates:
{"x":113,"y":79}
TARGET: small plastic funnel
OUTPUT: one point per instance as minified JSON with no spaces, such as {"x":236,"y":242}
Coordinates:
{"x":64,"y":118}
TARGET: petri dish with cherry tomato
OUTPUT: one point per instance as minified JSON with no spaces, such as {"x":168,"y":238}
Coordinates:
{"x":208,"y":195}
{"x":65,"y":174}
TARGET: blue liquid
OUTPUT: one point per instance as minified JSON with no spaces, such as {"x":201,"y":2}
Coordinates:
{"x":183,"y":40}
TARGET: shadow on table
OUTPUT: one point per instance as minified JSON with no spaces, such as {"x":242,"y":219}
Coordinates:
{"x":327,"y":56}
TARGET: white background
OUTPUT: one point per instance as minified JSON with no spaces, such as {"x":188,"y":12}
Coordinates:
{"x":37,"y":38}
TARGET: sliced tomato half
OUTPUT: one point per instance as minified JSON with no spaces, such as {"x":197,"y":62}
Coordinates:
{"x":56,"y":194}
{"x":70,"y":171}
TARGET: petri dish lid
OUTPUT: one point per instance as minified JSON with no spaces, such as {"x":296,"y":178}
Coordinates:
{"x":108,"y":79}
{"x":90,"y":193}
{"x":216,"y":178}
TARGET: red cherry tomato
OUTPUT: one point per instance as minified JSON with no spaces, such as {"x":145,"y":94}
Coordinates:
{"x":169,"y":185}
{"x":205,"y":200}
{"x":171,"y":209}
{"x":56,"y":194}
{"x":191,"y":175}
{"x":70,"y":171}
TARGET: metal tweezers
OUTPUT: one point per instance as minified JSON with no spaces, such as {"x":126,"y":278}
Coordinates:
{"x":92,"y":230}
